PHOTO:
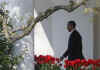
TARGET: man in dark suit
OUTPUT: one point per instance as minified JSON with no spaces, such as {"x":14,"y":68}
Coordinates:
{"x":74,"y":50}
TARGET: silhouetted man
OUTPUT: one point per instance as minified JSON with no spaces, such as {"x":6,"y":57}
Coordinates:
{"x":74,"y":50}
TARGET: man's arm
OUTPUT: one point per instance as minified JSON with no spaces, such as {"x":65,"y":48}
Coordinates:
{"x":65,"y":54}
{"x":70,"y":47}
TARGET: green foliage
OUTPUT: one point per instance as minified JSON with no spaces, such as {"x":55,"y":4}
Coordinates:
{"x":7,"y":59}
{"x":5,"y":52}
{"x":47,"y":67}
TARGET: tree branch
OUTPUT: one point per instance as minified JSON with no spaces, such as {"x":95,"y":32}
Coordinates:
{"x":43,"y":15}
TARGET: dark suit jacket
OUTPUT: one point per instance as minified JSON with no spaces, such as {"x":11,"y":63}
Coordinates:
{"x":74,"y":50}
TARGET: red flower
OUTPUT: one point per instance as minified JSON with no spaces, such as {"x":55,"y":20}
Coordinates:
{"x":58,"y":60}
{"x":98,"y":62}
{"x":53,"y":60}
{"x":65,"y":66}
{"x":41,"y":59}
{"x":84,"y":63}
{"x":66,"y":62}
{"x":77,"y":60}
{"x":72,"y":63}
{"x":75,"y":64}
{"x":45,"y":59}
{"x":90,"y":61}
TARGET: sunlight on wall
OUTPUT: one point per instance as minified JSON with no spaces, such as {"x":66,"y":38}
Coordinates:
{"x":41,"y":42}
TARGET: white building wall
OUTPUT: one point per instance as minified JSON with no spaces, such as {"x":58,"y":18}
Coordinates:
{"x":58,"y":36}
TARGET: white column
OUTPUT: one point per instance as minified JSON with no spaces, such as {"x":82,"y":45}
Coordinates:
{"x":97,"y":34}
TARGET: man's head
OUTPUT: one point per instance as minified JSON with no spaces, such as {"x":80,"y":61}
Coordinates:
{"x":71,"y":25}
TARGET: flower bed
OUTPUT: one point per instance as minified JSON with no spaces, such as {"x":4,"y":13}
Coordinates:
{"x":47,"y":63}
{"x":51,"y":63}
